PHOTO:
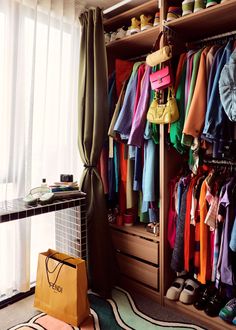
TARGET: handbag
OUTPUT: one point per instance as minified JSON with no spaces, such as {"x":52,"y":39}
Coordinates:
{"x":163,"y":113}
{"x":159,"y":56}
{"x":161,"y":79}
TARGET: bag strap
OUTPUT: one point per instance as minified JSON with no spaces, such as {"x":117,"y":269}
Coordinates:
{"x":156,"y":44}
{"x":60,"y":263}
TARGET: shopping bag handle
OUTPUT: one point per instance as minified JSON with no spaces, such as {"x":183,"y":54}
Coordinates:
{"x":60,"y":263}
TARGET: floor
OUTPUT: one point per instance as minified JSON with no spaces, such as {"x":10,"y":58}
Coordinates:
{"x":17,"y":312}
{"x":24,"y":310}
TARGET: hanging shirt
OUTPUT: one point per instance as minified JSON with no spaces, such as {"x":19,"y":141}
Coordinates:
{"x":124,"y":120}
{"x":216,"y":118}
{"x":227,"y":201}
{"x":196,"y":59}
{"x":196,"y":116}
{"x":139,"y":120}
{"x":177,"y":260}
{"x":150,"y":165}
{"x":177,"y":127}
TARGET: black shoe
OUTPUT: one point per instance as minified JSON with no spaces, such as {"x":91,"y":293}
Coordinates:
{"x":203,"y":295}
{"x":215,"y":304}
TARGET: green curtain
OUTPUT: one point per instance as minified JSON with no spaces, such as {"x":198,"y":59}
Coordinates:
{"x":93,"y":126}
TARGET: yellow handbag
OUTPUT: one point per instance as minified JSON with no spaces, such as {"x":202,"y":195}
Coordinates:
{"x":159,"y":55}
{"x":162,"y":55}
{"x":163,"y":113}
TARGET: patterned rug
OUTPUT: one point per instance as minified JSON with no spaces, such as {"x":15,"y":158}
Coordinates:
{"x":117,"y":313}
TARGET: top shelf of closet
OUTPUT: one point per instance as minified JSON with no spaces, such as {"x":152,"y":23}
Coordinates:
{"x":211,"y":21}
{"x":134,"y":45}
{"x":149,"y":7}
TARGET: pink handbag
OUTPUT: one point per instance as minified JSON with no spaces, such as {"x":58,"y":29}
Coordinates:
{"x":161,"y":79}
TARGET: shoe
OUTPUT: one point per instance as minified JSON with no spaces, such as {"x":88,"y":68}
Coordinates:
{"x":113,"y":36}
{"x":146,"y":22}
{"x":107,"y":37}
{"x":157,"y":19}
{"x":175,"y":289}
{"x":199,"y":5}
{"x":187,"y":7}
{"x":173,"y":13}
{"x":211,"y":3}
{"x":214,"y":305}
{"x":120,"y":33}
{"x":134,"y":28}
{"x":234,"y":321}
{"x":203,"y":294}
{"x":188,"y":294}
{"x":228,"y":312}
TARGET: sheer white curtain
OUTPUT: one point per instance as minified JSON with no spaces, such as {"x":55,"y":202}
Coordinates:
{"x":39,"y":60}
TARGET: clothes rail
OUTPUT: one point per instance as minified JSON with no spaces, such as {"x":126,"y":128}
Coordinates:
{"x":219,"y":162}
{"x":215,"y":37}
{"x":138,"y":57}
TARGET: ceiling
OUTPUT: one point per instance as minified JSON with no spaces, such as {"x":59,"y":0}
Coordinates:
{"x":104,"y":4}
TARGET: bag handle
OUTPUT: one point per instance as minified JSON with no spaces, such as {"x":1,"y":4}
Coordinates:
{"x":155,"y":45}
{"x":60,"y":263}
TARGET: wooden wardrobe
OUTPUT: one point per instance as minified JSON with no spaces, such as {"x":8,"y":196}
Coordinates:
{"x":144,"y":259}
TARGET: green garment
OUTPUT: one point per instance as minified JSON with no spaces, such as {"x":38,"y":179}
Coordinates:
{"x":188,"y":139}
{"x":93,"y":116}
{"x":176,"y":128}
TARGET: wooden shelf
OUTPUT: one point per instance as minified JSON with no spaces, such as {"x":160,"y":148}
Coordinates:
{"x":208,"y":22}
{"x":114,"y":23}
{"x":138,"y":230}
{"x":212,"y":323}
{"x":134,"y":45}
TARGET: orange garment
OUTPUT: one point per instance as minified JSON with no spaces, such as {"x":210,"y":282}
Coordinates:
{"x":196,"y":116}
{"x":179,"y":70}
{"x":205,"y":266}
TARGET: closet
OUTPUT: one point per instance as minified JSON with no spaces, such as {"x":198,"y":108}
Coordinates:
{"x":143,"y":257}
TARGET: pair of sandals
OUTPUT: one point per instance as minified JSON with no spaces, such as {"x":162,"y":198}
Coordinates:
{"x":182,"y":290}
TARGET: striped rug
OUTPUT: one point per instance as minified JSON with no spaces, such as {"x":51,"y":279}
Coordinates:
{"x":117,"y":313}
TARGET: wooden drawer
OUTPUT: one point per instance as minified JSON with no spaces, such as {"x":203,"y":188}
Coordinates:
{"x":138,"y":270}
{"x":136,"y":246}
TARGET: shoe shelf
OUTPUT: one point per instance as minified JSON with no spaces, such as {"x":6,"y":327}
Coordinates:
{"x":134,"y":45}
{"x":122,"y":19}
{"x":208,"y":22}
{"x":199,"y":317}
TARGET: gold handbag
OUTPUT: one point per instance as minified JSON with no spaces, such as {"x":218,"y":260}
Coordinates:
{"x":163,"y":113}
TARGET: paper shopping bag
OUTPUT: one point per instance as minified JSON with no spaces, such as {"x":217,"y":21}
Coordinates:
{"x":61,"y":287}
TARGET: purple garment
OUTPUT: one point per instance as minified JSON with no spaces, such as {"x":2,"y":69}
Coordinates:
{"x":139,"y":120}
{"x":227,"y":202}
{"x":124,"y":120}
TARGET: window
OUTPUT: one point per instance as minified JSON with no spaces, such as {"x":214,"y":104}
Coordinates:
{"x":39,"y":61}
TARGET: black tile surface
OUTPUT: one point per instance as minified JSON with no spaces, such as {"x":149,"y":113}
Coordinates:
{"x":16,"y":209}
